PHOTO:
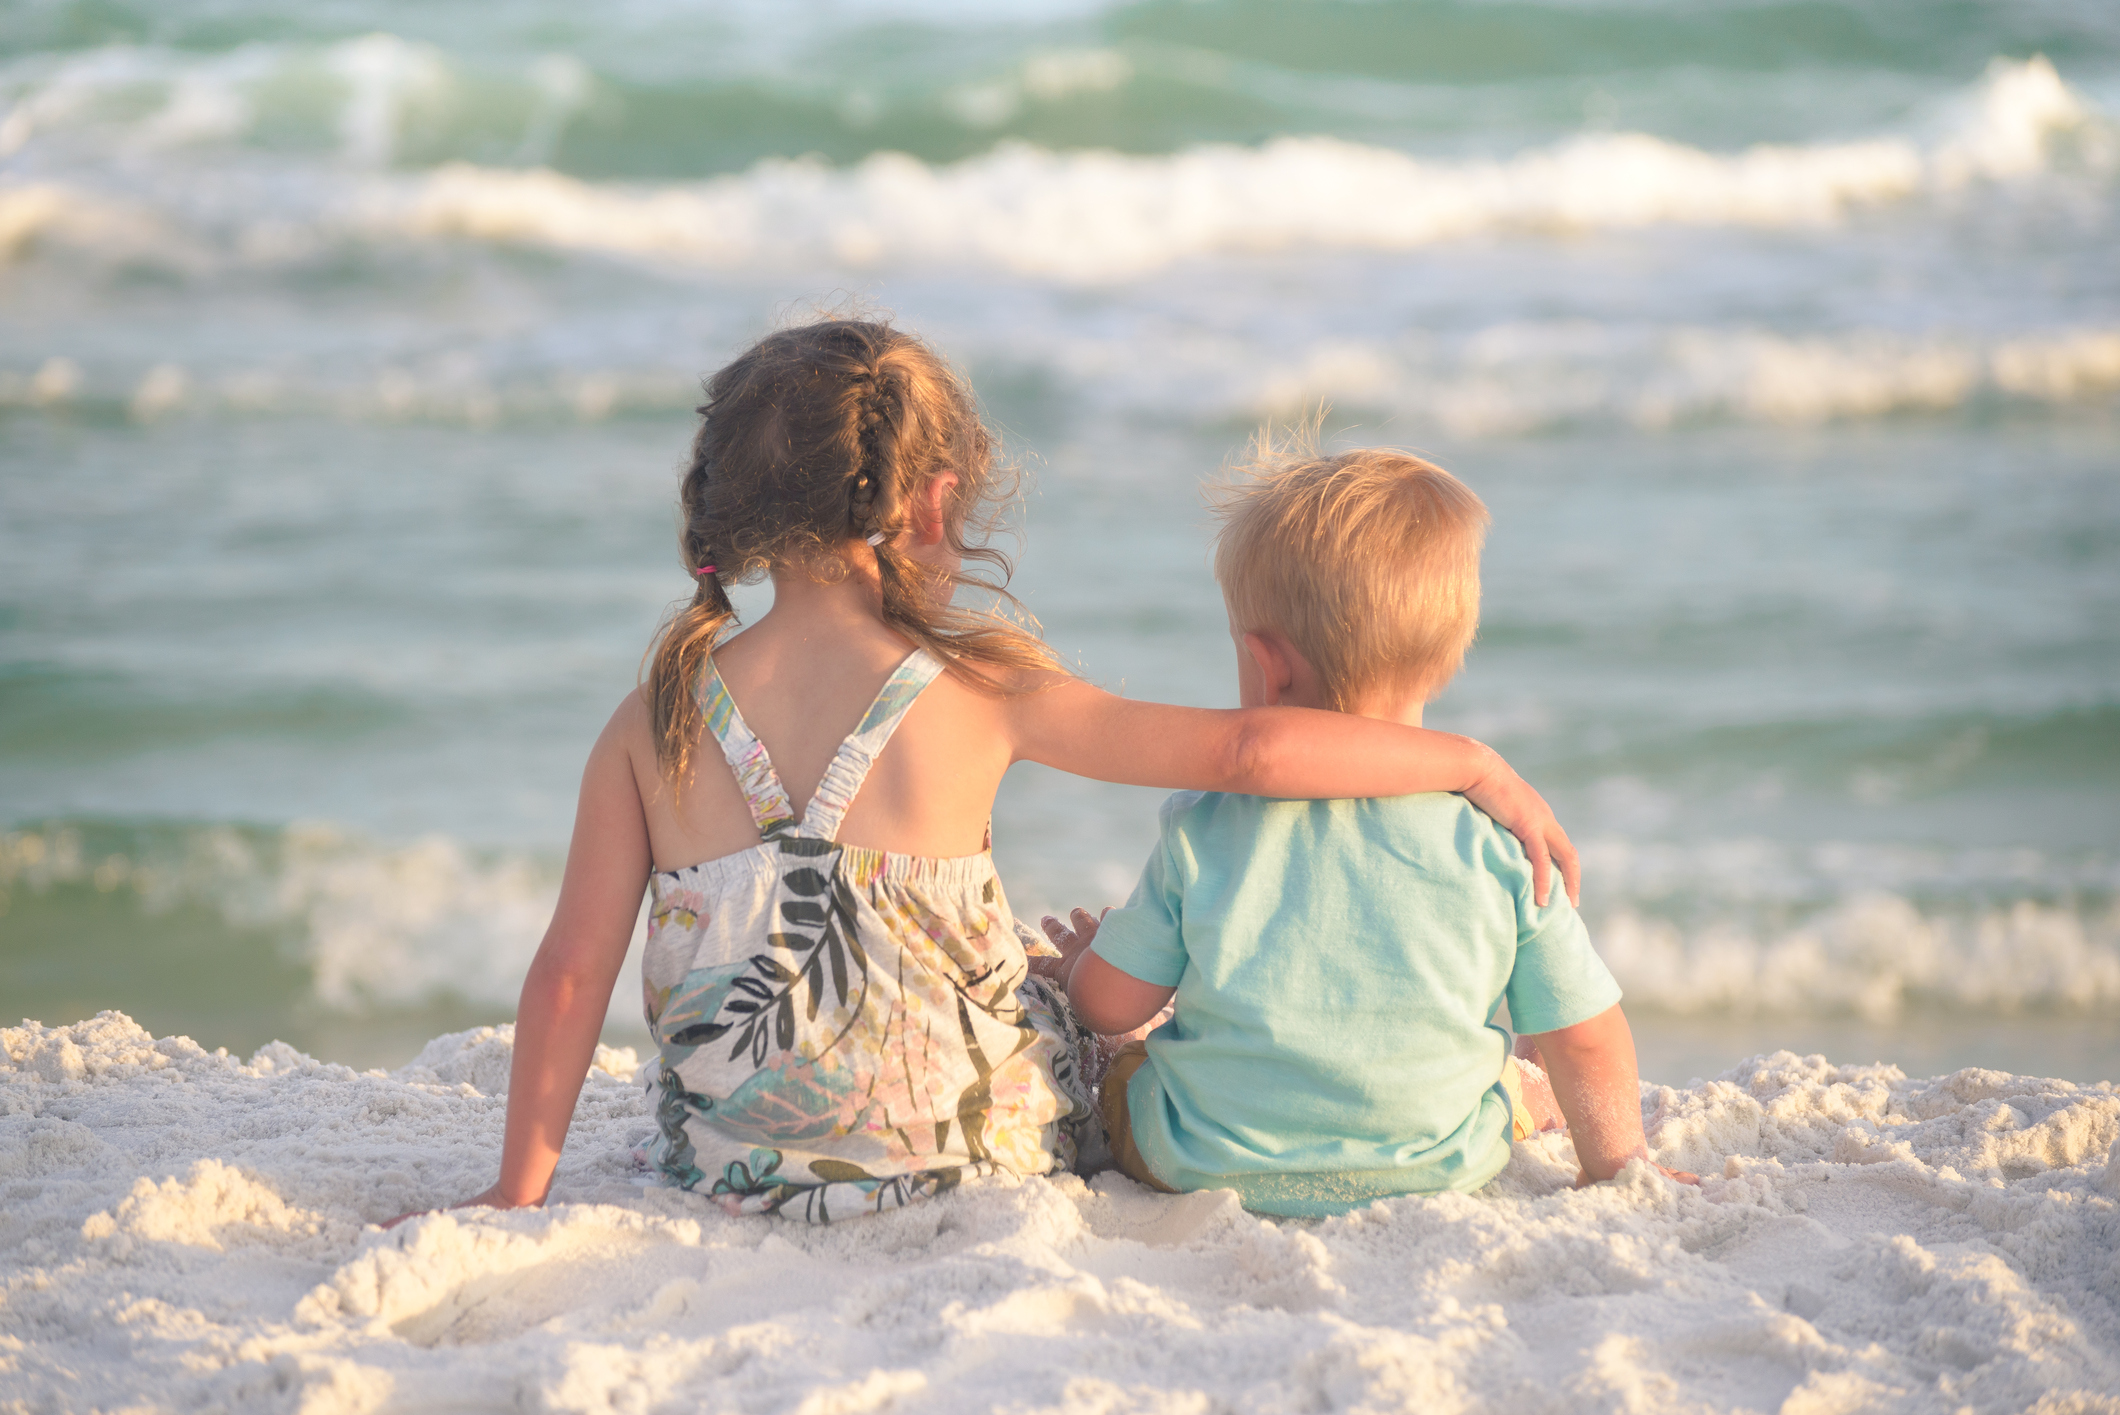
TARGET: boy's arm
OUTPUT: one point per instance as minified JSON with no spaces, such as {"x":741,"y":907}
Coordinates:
{"x":1288,"y":752}
{"x":1592,"y":1068}
{"x":1106,"y":999}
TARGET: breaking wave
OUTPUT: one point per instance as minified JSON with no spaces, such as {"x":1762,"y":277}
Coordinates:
{"x":1836,"y":930}
{"x":1081,"y":216}
{"x":377,"y":926}
{"x":1099,"y":216}
{"x":1876,"y":957}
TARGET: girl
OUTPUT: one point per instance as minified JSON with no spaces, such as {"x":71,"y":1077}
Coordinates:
{"x":833,"y":979}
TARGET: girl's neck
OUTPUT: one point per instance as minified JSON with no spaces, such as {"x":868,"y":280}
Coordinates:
{"x":850,"y":605}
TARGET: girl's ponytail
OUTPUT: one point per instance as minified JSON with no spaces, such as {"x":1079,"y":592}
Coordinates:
{"x":686,"y":641}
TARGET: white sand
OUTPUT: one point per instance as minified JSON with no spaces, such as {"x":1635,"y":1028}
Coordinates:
{"x":184,"y":1231}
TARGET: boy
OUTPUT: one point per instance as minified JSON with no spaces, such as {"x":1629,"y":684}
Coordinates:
{"x":1335,"y":963}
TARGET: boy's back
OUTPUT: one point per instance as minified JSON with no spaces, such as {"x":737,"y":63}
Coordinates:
{"x":1336,"y":965}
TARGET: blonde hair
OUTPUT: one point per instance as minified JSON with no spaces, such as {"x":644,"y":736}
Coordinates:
{"x":815,"y":438}
{"x":1367,"y":562}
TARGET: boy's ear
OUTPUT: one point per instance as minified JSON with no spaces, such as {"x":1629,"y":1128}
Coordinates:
{"x":1277,"y":669}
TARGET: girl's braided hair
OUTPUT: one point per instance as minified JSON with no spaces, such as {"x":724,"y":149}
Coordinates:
{"x":813,"y":438}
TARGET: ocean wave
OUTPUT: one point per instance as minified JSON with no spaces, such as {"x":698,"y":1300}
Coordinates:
{"x":369,"y":101}
{"x":1728,"y":928}
{"x":464,"y":393}
{"x":1872,"y":930}
{"x":377,"y":926}
{"x":1529,"y":376}
{"x":1875,"y":956}
{"x":1100,"y":216}
{"x":1082,"y":216}
{"x":1508,"y":379}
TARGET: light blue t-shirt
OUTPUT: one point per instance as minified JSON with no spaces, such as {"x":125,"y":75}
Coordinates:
{"x":1336,"y":964}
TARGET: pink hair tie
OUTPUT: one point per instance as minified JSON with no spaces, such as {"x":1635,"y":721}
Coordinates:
{"x":704,"y":570}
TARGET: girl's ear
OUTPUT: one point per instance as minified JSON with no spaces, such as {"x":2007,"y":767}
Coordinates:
{"x":930,"y":510}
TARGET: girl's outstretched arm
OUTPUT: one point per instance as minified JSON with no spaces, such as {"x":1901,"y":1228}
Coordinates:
{"x":1292,"y":752}
{"x":568,"y":990}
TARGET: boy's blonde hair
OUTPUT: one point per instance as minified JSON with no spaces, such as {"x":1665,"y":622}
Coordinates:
{"x":1367,"y":562}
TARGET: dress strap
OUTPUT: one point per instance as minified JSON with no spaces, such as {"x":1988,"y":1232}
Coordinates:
{"x":746,"y":756}
{"x":851,"y":763}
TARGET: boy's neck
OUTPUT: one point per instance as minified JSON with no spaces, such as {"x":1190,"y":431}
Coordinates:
{"x":1406,"y":713}
{"x":1381,"y":706}
{"x":1272,"y":672}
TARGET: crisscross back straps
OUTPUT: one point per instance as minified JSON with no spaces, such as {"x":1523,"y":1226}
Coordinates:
{"x":762,"y":789}
{"x":851,"y":763}
{"x":746,"y":756}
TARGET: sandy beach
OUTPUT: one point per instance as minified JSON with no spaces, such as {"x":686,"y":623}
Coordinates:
{"x":186,"y":1230}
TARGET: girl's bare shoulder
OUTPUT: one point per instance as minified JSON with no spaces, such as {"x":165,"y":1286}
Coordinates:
{"x":633,"y":718}
{"x":629,"y":733}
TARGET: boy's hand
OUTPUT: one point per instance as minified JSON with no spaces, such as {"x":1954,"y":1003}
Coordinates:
{"x":1676,"y":1176}
{"x":1524,"y":813}
{"x":492,"y":1199}
{"x":1072,"y":943}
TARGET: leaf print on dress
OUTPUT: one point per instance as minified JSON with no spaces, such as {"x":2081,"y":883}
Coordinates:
{"x":786,"y":1106}
{"x":672,"y":1152}
{"x":682,"y":1019}
{"x":764,"y":1000}
{"x":754,"y":1175}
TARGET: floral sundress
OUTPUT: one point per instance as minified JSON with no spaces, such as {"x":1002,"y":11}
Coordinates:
{"x":843,"y":1030}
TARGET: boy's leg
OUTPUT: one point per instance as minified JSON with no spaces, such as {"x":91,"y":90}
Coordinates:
{"x":1118,"y":1127}
{"x":1532,"y":1106}
{"x":1545,"y":1107}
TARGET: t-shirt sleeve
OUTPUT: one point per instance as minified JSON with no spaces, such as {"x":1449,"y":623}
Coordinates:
{"x":1146,"y":938}
{"x":1558,"y":980}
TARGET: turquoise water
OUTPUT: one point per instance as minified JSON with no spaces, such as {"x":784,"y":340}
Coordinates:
{"x":349,"y":354}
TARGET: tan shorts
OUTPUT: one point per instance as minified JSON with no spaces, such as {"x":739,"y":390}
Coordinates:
{"x":1522,"y":1126}
{"x":1118,"y":1126}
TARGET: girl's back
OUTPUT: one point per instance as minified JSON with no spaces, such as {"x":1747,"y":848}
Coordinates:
{"x":804,"y":680}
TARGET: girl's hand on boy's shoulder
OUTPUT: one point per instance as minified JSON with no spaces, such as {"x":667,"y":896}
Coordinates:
{"x":1521,"y":811}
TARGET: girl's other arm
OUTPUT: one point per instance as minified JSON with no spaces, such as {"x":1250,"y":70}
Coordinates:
{"x":568,"y":990}
{"x":1289,"y":752}
{"x":1592,"y":1068}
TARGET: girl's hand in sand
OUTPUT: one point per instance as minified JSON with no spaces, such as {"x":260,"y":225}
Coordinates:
{"x":1521,"y":811}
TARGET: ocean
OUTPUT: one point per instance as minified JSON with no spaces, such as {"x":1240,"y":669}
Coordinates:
{"x":348,"y":354}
